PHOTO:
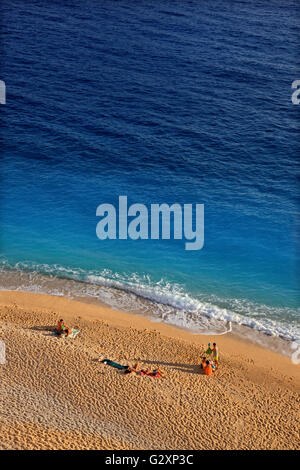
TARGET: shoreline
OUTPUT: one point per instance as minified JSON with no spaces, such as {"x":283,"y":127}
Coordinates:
{"x":251,"y":403}
{"x":213,"y":318}
{"x":98,"y":310}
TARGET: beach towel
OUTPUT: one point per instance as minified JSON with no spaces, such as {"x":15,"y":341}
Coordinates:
{"x":73,"y":333}
{"x":114,"y":364}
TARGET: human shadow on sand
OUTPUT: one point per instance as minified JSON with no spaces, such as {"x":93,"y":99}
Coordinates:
{"x":187,"y":368}
{"x":43,"y":328}
{"x":49,"y":329}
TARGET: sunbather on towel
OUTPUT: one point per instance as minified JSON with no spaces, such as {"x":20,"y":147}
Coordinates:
{"x":114,"y":364}
{"x":158,"y":373}
{"x":132,"y":370}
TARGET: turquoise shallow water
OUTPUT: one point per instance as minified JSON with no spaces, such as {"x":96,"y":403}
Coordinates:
{"x":183,"y":102}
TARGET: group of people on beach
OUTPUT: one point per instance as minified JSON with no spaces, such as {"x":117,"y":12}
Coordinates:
{"x":208,"y":363}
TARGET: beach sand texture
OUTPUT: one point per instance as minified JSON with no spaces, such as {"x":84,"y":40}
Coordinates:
{"x":55,"y":394}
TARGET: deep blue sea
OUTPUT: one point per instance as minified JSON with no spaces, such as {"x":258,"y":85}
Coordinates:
{"x":167,"y":101}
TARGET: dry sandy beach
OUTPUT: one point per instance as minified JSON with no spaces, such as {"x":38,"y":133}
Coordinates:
{"x":55,"y":394}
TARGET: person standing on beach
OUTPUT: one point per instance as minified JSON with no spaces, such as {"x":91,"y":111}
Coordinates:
{"x":215,"y":354}
{"x":208,"y":351}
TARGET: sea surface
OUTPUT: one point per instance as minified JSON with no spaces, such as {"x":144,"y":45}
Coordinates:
{"x":164,"y":102}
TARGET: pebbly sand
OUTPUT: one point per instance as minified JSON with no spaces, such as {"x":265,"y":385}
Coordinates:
{"x":55,"y":394}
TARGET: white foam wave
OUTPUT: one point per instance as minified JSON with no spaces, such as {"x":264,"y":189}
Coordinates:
{"x":162,"y":300}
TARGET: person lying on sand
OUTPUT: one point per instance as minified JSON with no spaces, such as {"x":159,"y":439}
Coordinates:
{"x":158,"y":373}
{"x":132,"y":370}
{"x":128,"y":370}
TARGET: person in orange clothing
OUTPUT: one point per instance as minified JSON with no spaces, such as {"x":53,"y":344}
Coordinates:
{"x":208,"y":370}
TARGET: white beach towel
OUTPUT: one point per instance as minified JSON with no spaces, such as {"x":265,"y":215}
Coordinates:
{"x":73,"y":333}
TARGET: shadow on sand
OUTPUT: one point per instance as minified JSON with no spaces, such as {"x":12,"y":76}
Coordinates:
{"x":187,"y":368}
{"x":43,"y":328}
